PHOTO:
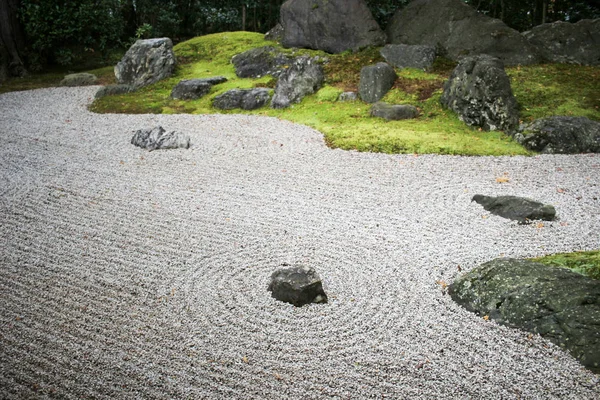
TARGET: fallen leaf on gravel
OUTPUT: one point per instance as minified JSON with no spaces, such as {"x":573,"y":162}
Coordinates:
{"x":443,"y":284}
{"x":539,"y":225}
{"x":277,"y":376}
{"x":559,"y":190}
{"x":502,"y":179}
{"x":486,"y":317}
{"x":245,"y":359}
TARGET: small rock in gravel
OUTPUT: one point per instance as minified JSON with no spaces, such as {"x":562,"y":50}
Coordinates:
{"x":157,"y":139}
{"x":80,"y":79}
{"x":298,"y":285}
{"x":516,"y":208}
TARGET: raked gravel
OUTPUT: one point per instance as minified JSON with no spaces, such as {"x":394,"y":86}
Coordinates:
{"x":133,"y":274}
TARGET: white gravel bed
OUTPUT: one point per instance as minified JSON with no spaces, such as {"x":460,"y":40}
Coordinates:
{"x":128,"y":274}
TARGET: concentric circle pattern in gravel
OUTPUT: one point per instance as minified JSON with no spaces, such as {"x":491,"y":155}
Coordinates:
{"x":133,"y":274}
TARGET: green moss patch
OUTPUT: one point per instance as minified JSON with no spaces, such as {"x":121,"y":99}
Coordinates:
{"x":583,"y":262}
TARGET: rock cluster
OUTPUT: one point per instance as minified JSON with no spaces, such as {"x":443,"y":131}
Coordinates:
{"x":157,"y":138}
{"x":516,"y":208}
{"x":479,"y":92}
{"x":146,"y":62}
{"x":330,"y":25}
{"x":555,"y":302}
{"x":298,"y":285}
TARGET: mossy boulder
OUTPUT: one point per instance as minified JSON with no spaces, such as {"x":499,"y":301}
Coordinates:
{"x":393,"y":112}
{"x":111,"y":90}
{"x":246,"y":99}
{"x":146,"y":62}
{"x":375,"y":81}
{"x":192,"y":89}
{"x":516,"y":208}
{"x":305,"y":76}
{"x":561,"y":135}
{"x":560,"y":305}
{"x":261,"y":61}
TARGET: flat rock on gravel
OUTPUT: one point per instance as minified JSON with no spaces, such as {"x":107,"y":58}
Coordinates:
{"x":127,"y":274}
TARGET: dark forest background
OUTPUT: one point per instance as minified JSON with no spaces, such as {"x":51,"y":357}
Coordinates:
{"x":35,"y":34}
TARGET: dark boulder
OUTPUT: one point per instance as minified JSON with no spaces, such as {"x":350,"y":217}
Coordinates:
{"x":192,"y":89}
{"x":158,"y":139}
{"x":375,"y":81}
{"x":563,"y":42}
{"x":246,"y":99}
{"x":479,"y":92}
{"x":407,"y":56}
{"x":275,"y":34}
{"x":393,"y":112}
{"x":113,"y":90}
{"x":259,"y":62}
{"x":305,"y":76}
{"x":79,"y":79}
{"x":146,"y":62}
{"x":297,"y":285}
{"x":561,"y":135}
{"x":560,"y":305}
{"x":457,"y":30}
{"x":516,"y":208}
{"x":330,"y":25}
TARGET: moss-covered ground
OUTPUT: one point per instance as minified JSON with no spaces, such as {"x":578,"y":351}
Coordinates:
{"x":542,"y":90}
{"x":583,"y":262}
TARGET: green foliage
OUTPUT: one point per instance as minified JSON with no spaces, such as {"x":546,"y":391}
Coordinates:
{"x":583,"y":262}
{"x":63,"y":31}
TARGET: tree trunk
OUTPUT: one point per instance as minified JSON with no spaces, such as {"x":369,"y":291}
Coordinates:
{"x":12,"y":40}
{"x":244,"y":17}
{"x":544,"y":11}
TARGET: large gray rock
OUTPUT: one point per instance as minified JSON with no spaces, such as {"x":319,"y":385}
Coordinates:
{"x":407,"y":56}
{"x":330,"y":25}
{"x":561,"y":135}
{"x":246,"y":99}
{"x":298,"y":285}
{"x":79,"y":79}
{"x":394,"y":112}
{"x":516,"y":208}
{"x":146,"y":62}
{"x":457,"y":30}
{"x":375,"y":81}
{"x":479,"y":92}
{"x":305,"y":76}
{"x":111,"y":90}
{"x":192,"y":89}
{"x":560,"y":305}
{"x":259,"y":62}
{"x":158,"y":139}
{"x":563,"y":42}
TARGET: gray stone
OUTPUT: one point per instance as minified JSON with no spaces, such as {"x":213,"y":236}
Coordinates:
{"x":246,"y":99}
{"x":393,"y":112}
{"x":305,"y":76}
{"x":80,"y":79}
{"x":348,"y":96}
{"x":375,"y":81}
{"x":407,"y":56}
{"x":275,"y":34}
{"x":457,"y":30}
{"x":561,"y":135}
{"x":297,"y":285}
{"x":259,"y":62}
{"x":158,"y":139}
{"x":146,"y":62}
{"x":479,"y":92}
{"x":330,"y":25}
{"x":563,"y":42}
{"x":516,"y":208}
{"x":110,"y":90}
{"x":560,"y":305}
{"x":192,"y":89}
